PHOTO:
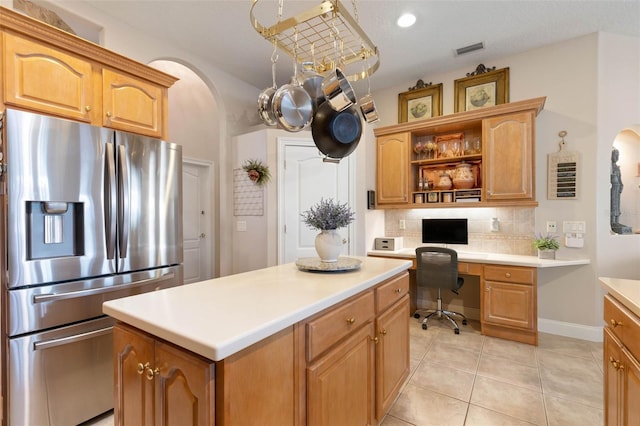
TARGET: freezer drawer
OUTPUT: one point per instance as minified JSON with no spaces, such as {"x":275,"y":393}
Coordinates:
{"x":38,"y":308}
{"x":61,"y":377}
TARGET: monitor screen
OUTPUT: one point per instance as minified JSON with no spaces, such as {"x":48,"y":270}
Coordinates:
{"x":445,"y":231}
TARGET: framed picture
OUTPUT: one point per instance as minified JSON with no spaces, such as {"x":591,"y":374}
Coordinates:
{"x":432,"y":197}
{"x":420,"y":103}
{"x":481,"y":90}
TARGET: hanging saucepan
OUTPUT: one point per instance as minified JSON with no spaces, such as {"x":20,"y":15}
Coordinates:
{"x":336,"y":134}
{"x":312,"y":82}
{"x":265,"y":109}
{"x":368,"y":108}
{"x":292,"y":106}
{"x":338,"y":91}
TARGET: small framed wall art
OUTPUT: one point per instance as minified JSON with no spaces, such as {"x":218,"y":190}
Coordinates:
{"x":481,"y":88}
{"x":420,"y":102}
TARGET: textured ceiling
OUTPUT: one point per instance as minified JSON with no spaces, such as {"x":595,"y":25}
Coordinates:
{"x":221,"y":32}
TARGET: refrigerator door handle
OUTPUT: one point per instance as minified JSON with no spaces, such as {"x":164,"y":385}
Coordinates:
{"x":123,"y":213}
{"x":71,"y":339}
{"x":50,"y":297}
{"x":110,"y":195}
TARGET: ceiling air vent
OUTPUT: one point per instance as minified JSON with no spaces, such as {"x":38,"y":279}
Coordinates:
{"x":470,"y":48}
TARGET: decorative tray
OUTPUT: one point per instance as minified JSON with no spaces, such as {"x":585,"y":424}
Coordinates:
{"x":314,"y":264}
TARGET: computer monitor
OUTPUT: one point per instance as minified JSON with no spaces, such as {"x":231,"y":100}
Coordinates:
{"x":445,"y":231}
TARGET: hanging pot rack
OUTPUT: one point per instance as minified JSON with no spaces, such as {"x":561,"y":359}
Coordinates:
{"x":318,"y":30}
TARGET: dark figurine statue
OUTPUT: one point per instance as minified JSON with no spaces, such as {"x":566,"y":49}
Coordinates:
{"x":616,"y":192}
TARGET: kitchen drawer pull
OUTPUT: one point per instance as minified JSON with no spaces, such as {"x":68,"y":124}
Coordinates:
{"x":615,"y":323}
{"x":50,"y":297}
{"x":398,"y":290}
{"x":47,"y":344}
{"x":351,"y":320}
{"x":616,"y":363}
{"x":508,"y":275}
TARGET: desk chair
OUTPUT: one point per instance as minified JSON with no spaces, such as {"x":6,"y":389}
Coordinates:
{"x":437,"y":267}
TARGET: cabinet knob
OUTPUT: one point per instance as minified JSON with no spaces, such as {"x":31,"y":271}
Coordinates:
{"x":383,"y":332}
{"x":142,"y":367}
{"x":351,"y":320}
{"x":398,"y":290}
{"x":616,"y":363}
{"x":375,"y":339}
{"x":615,"y":323}
{"x":108,"y":113}
{"x":508,"y":274}
{"x":87,"y":108}
{"x":151,"y":373}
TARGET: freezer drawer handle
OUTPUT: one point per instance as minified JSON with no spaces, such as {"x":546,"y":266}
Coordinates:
{"x":47,"y":344}
{"x":49,"y":297}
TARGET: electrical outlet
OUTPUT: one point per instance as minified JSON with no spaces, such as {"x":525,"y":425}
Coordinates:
{"x":402,"y":224}
{"x":552,"y":226}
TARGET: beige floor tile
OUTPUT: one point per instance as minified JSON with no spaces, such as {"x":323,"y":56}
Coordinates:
{"x":393,"y":421}
{"x":445,"y":380}
{"x":587,"y":389}
{"x":505,"y":370}
{"x":453,"y":356}
{"x":469,"y":341}
{"x":515,"y":401}
{"x":561,"y":363}
{"x":479,"y":416}
{"x":514,"y":351}
{"x":566,"y":345}
{"x":561,"y":412}
{"x":423,"y":407}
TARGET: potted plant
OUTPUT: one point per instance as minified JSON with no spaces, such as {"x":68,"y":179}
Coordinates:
{"x":546,"y":244}
{"x":257,"y":171}
{"x":327,"y":216}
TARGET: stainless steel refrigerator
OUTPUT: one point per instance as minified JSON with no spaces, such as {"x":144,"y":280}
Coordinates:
{"x":91,"y":214}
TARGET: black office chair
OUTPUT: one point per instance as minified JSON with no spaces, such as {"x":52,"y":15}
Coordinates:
{"x":437,"y":267}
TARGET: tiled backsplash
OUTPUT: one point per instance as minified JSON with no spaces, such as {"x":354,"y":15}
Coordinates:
{"x":517,"y":227}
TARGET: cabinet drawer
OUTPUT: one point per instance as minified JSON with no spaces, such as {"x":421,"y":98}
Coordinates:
{"x":388,"y":293}
{"x":623,"y":323}
{"x":510,"y":274}
{"x":470,"y":268}
{"x":329,"y":328}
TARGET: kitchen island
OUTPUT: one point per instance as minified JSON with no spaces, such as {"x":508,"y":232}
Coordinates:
{"x":274,"y":346}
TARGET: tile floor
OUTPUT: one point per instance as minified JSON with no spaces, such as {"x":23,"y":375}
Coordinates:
{"x":470,"y":379}
{"x":474,"y":380}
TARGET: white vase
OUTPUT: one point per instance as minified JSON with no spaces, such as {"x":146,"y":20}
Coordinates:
{"x":329,"y":245}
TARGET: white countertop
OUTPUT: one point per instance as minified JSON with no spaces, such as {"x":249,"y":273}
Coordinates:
{"x":219,"y":317}
{"x":625,"y":291}
{"x":493,"y":258}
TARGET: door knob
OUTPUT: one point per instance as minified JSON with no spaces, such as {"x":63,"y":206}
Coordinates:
{"x":202,"y":235}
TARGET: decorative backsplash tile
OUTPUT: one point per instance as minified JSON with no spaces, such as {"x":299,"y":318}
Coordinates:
{"x":517,"y":228}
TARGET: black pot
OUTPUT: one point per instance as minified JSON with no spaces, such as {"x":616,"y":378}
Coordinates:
{"x":336,"y":134}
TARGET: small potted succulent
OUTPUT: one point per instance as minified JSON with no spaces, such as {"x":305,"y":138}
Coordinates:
{"x":327,"y":216}
{"x":546,"y":244}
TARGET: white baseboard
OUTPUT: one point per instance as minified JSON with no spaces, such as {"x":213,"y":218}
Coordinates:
{"x":568,"y":329}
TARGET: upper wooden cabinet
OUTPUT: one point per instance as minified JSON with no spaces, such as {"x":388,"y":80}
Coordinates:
{"x":504,"y":168}
{"x":392,"y":164}
{"x":49,"y":71}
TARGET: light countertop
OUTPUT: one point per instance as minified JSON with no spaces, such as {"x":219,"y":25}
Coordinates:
{"x":493,"y":258}
{"x":219,"y":317}
{"x":625,"y":291}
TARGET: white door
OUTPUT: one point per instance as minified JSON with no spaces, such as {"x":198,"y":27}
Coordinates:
{"x":305,"y":180}
{"x":197,"y":220}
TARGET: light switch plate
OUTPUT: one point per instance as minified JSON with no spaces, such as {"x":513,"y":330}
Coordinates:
{"x":574,"y":227}
{"x":241,"y":226}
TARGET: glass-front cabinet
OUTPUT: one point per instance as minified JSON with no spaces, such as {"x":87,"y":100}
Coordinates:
{"x":482,"y":157}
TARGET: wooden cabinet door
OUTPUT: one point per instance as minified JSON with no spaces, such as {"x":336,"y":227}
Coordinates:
{"x":133,"y":354}
{"x":392,"y":169}
{"x":508,"y":304}
{"x":184,"y":388}
{"x":612,"y":355}
{"x":48,"y":80}
{"x":132,"y":104}
{"x":340,"y":385}
{"x":508,"y":157}
{"x":392,"y":354}
{"x":631,"y":389}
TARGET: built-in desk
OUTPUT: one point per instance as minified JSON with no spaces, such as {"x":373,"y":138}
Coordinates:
{"x":508,"y":289}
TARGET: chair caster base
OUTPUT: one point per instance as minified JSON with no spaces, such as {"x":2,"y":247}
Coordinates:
{"x":424,"y":326}
{"x":416,"y":315}
{"x":456,"y":330}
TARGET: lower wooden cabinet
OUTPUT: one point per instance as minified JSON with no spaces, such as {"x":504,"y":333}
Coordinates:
{"x":509,"y":303}
{"x":160,"y":384}
{"x":621,"y":365}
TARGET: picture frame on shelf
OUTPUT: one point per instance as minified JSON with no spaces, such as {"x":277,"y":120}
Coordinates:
{"x":420,"y":102}
{"x":481,"y":88}
{"x":432,"y":197}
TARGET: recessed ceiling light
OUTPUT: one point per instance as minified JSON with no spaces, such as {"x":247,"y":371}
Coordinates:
{"x":406,"y":20}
